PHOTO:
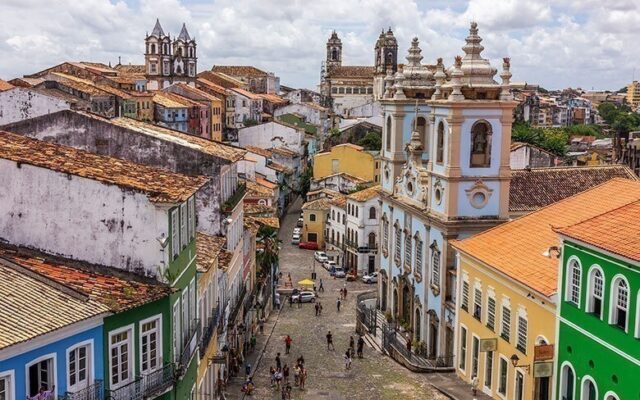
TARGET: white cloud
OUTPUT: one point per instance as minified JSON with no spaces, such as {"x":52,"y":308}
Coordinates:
{"x":557,"y":44}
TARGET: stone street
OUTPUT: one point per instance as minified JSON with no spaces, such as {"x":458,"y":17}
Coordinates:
{"x":374,"y":377}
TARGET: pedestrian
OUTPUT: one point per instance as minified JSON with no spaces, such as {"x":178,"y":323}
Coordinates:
{"x":317,"y":307}
{"x":352,"y":345}
{"x":247,"y":369}
{"x":261,"y":324}
{"x":474,"y":385}
{"x":287,"y":344}
{"x":290,"y":301}
{"x":360,"y":346}
{"x":330,"y":341}
{"x":347,"y":359}
{"x":300,"y":361}
{"x":285,"y":373}
{"x":341,"y":293}
{"x":272,"y":374}
{"x":278,"y":302}
{"x":321,"y":289}
{"x":296,"y":375}
{"x":345,"y":292}
{"x":303,"y":377}
{"x":409,"y":345}
{"x":278,"y":362}
{"x":299,"y":301}
{"x":254,"y":340}
{"x":338,"y":304}
{"x":278,"y":377}
{"x":320,"y":305}
{"x":288,"y":391}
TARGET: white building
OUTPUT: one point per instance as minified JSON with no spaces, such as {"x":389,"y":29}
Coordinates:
{"x":20,"y":103}
{"x":363,"y":230}
{"x":273,"y":134}
{"x":335,"y":230}
{"x":313,"y":114}
{"x":247,"y":106}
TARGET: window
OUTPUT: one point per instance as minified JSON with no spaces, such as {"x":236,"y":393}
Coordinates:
{"x":435,"y":264}
{"x":596,"y":292}
{"x":385,"y":234}
{"x":502,"y":382}
{"x":78,"y":365}
{"x":333,"y":215}
{"x":150,"y":345}
{"x":418,"y":266}
{"x":407,"y":250}
{"x":120,"y":350}
{"x":480,"y":144}
{"x":388,"y":134}
{"x":6,"y":387}
{"x":506,"y":323}
{"x":440,"y":143}
{"x":522,"y":334}
{"x":474,"y":356}
{"x":312,"y":237}
{"x":491,"y":313}
{"x":619,"y":303}
{"x":312,"y":217}
{"x":488,"y":369}
{"x":192,"y":300}
{"x":463,"y":348}
{"x":176,"y":331}
{"x":398,"y":244}
{"x":40,"y":373}
{"x":175,"y":238}
{"x":185,"y":315}
{"x":192,"y":217}
{"x":519,"y":389}
{"x":477,"y":303}
{"x":465,"y":295}
{"x":573,"y":283}
{"x":567,"y":383}
{"x":589,"y":390}
{"x":372,"y":240}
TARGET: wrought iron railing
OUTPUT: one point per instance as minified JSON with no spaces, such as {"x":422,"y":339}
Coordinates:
{"x":130,"y":391}
{"x":158,"y":381}
{"x":91,"y":392}
{"x":208,"y":329}
{"x":236,"y":307}
{"x":233,"y":200}
{"x":190,"y":344}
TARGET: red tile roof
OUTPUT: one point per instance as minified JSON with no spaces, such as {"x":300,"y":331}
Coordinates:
{"x":351,"y":71}
{"x":239,"y":70}
{"x":4,"y":85}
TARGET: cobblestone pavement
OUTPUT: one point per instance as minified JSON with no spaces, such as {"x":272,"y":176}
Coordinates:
{"x":374,"y":377}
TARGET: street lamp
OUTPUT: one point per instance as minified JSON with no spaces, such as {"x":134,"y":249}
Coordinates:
{"x":514,"y":361}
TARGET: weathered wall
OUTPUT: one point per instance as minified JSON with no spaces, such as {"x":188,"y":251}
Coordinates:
{"x":18,"y":104}
{"x":99,"y":136}
{"x":111,"y":225}
{"x":271,"y":134}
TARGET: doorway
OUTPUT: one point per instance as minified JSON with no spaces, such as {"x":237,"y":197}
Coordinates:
{"x":372,"y":265}
{"x":40,"y":376}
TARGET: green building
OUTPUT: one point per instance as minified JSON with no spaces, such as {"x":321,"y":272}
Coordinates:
{"x":598,"y":343}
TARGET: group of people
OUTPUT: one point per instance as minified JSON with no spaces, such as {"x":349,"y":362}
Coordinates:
{"x":280,"y":373}
{"x":318,"y":307}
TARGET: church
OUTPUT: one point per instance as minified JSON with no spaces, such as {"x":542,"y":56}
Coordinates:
{"x":348,"y":86}
{"x":445,"y":175}
{"x":169,"y":61}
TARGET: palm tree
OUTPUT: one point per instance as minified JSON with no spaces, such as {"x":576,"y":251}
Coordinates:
{"x":267,"y":255}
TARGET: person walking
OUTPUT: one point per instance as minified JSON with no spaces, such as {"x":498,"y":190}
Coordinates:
{"x":278,"y":362}
{"x":409,"y":346}
{"x":338,"y":304}
{"x":296,"y":374}
{"x":344,"y":291}
{"x":317,"y":307}
{"x":474,"y":385}
{"x":285,"y":373}
{"x":352,"y":346}
{"x":247,"y":369}
{"x":299,"y":301}
{"x":341,"y":293}
{"x":300,"y":361}
{"x":347,"y":359}
{"x":303,"y":377}
{"x":278,"y":378}
{"x":261,"y":325}
{"x":320,"y":307}
{"x":321,"y":288}
{"x":254,"y":340}
{"x":360,"y":346}
{"x":272,"y":374}
{"x":287,"y":344}
{"x":330,"y":341}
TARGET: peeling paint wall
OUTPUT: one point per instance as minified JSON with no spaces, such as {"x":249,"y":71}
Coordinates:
{"x":110,"y":225}
{"x":101,"y":137}
{"x":19,"y":103}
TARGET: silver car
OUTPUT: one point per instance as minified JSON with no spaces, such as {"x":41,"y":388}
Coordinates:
{"x":370,"y":278}
{"x":305,"y":297}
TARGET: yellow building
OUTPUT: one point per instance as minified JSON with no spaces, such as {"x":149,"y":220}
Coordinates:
{"x":315,"y":215}
{"x":633,"y":94}
{"x":345,"y":158}
{"x":506,"y":295}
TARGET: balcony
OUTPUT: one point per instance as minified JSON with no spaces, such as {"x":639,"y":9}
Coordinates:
{"x":91,"y":392}
{"x":236,"y":308}
{"x":190,"y":344}
{"x":208,"y":329}
{"x":147,"y":386}
{"x":234,"y":199}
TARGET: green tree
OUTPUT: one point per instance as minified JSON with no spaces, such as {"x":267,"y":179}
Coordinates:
{"x":371,"y":141}
{"x":250,"y":122}
{"x":269,"y":248}
{"x":608,"y":112}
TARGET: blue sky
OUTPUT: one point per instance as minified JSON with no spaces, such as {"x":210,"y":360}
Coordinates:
{"x":562,"y":43}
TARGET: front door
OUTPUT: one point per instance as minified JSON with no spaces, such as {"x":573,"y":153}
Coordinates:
{"x":372,"y":264}
{"x":543,"y":387}
{"x":519,"y":389}
{"x":406,"y":304}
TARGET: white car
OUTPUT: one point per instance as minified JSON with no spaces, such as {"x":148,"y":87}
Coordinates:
{"x":320,"y":256}
{"x":329,"y":264}
{"x":305,"y":296}
{"x":297,"y":231}
{"x":339,"y":273}
{"x":295,"y":239}
{"x":370,"y":278}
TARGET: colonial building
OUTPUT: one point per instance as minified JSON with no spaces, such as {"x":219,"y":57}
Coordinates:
{"x":169,"y":61}
{"x":344,"y":158}
{"x":362,"y":231}
{"x":445,"y":175}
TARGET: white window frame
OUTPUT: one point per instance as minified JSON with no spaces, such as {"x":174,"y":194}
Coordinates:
{"x":477,"y":301}
{"x":522,"y":317}
{"x":89,"y":361}
{"x":505,"y":305}
{"x":477,"y":364}
{"x":9,"y":376}
{"x":464,"y":345}
{"x":583,"y":383}
{"x":488,"y":388}
{"x":436,"y":262}
{"x":465,"y":295}
{"x":591,"y":289}
{"x":159,"y":352}
{"x":613,"y":301}
{"x":407,"y":249}
{"x":184,"y":240}
{"x":192,"y":217}
{"x":192,"y":299}
{"x":175,"y":235}
{"x":130,"y":357}
{"x":637,"y":333}
{"x":398,"y":244}
{"x":491,"y":316}
{"x":185,"y":313}
{"x":562,"y":382}
{"x":419,"y":255}
{"x":572,"y":287}
{"x":506,"y":382}
{"x":54,"y":365}
{"x":524,"y":383}
{"x":177,"y":330}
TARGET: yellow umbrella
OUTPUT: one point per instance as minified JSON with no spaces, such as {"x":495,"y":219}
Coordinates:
{"x":306,"y":282}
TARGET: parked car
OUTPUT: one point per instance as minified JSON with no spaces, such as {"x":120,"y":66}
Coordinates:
{"x":300,"y":223}
{"x":295,"y":239}
{"x":320,"y":256}
{"x":339,"y":272}
{"x":370,"y":278}
{"x":297,"y":230}
{"x":329,"y":265}
{"x":305,"y":296}
{"x":308,"y":245}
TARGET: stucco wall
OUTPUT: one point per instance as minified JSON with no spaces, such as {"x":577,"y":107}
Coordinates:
{"x":354,"y":162}
{"x":18,"y":104}
{"x":271,"y":134}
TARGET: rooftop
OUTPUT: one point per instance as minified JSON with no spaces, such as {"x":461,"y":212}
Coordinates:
{"x":172,"y":100}
{"x":268,"y":221}
{"x":617,"y":231}
{"x":246,"y":93}
{"x":259,"y":151}
{"x":351,"y":71}
{"x":161,"y":186}
{"x":339,"y":201}
{"x":366,"y":194}
{"x":273,"y":98}
{"x":534,"y":188}
{"x":4,"y":85}
{"x":208,"y":249}
{"x":284,"y":151}
{"x":257,"y":190}
{"x":239,"y":70}
{"x":223,"y":80}
{"x":514,"y":247}
{"x":319,"y":204}
{"x":212,"y":86}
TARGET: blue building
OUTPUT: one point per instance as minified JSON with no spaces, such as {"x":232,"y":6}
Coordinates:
{"x":171,"y":111}
{"x":445,"y":176}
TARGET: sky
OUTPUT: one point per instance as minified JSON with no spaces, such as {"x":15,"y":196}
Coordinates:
{"x":590,"y":44}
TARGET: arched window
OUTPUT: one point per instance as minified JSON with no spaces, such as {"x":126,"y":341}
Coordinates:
{"x":480,"y":144}
{"x":334,"y":55}
{"x":596,"y":292}
{"x":385,"y":234}
{"x":567,"y":383}
{"x":388,"y":133}
{"x":372,"y":213}
{"x":341,"y":90}
{"x":435,"y":264}
{"x":398,"y":244}
{"x":589,"y":390}
{"x":440,"y":143}
{"x":407,"y":250}
{"x":333,"y":215}
{"x":153,"y":48}
{"x":372,"y":240}
{"x":572,"y":294}
{"x":619,"y":303}
{"x":421,"y":128}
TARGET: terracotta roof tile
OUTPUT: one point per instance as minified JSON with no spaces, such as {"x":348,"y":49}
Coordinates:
{"x":208,"y":249}
{"x":617,"y":231}
{"x":319,"y":204}
{"x":366,"y":194}
{"x":172,"y":100}
{"x":539,"y":187}
{"x":259,"y":151}
{"x":161,"y":186}
{"x":202,"y":82}
{"x":268,"y":221}
{"x":339,"y":201}
{"x":239,"y":70}
{"x":515,"y":248}
{"x":4,"y":85}
{"x":254,"y":210}
{"x":257,"y":190}
{"x":223,"y":80}
{"x":351,"y":71}
{"x":284,"y":151}
{"x":134,"y":69}
{"x":246,"y":93}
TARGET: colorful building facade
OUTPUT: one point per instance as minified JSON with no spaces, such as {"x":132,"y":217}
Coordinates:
{"x":344,"y":158}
